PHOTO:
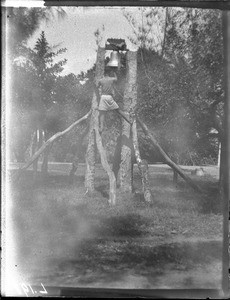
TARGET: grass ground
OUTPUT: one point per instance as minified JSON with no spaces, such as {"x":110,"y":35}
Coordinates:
{"x":67,"y":238}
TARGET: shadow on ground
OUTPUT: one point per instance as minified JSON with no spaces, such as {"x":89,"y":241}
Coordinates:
{"x":128,"y":263}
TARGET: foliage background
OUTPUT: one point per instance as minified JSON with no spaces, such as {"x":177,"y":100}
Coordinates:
{"x":180,"y":74}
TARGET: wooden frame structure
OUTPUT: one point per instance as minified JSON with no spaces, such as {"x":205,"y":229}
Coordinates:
{"x":128,"y":132}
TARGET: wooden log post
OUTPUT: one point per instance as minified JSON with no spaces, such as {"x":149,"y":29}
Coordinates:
{"x":105,"y":164}
{"x":130,"y":99}
{"x":142,"y":165}
{"x":91,"y":149}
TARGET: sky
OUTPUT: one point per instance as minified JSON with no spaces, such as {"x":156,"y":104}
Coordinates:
{"x":76,"y":33}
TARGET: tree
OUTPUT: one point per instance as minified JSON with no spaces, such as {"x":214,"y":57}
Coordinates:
{"x":167,"y":77}
{"x":204,"y":49}
{"x":46,"y":73}
{"x":37,"y":69}
{"x":181,"y":82}
{"x":148,"y":25}
{"x":20,"y":25}
{"x":46,"y":69}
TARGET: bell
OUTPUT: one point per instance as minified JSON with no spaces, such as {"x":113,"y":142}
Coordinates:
{"x":114,"y":60}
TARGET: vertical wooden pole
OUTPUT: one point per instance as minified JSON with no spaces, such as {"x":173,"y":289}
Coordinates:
{"x":130,"y":100}
{"x":91,"y":149}
{"x":105,"y":164}
{"x":143,"y":166}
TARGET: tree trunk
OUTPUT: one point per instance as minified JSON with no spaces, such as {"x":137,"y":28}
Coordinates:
{"x":91,"y":149}
{"x":167,"y":159}
{"x":44,"y":167}
{"x":76,"y":153}
{"x":74,"y":167}
{"x":37,"y":146}
{"x":34,"y":148}
{"x":142,"y":165}
{"x":29,"y":150}
{"x":105,"y":164}
{"x":130,"y":99}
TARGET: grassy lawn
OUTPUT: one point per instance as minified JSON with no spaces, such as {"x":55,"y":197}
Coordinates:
{"x":67,"y":238}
